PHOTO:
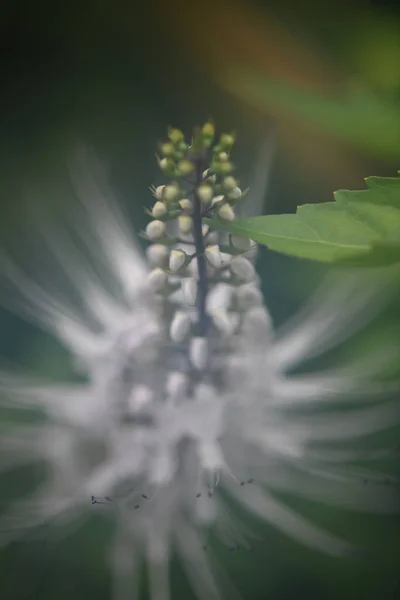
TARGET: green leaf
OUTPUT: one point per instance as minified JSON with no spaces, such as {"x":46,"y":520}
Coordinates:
{"x":360,"y":117}
{"x":359,"y":228}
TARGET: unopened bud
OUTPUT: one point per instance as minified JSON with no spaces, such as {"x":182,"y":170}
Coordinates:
{"x":156,"y":280}
{"x":176,"y":135}
{"x":189,"y":290}
{"x":167,"y":149}
{"x":242,"y":268}
{"x":171,"y":193}
{"x":222,"y":321}
{"x":157,"y":254}
{"x":159,"y":209}
{"x":186,"y":204}
{"x":155,"y":230}
{"x":227,"y":140}
{"x":208,"y":130}
{"x":198,"y":352}
{"x":226,"y":212}
{"x":205,"y":229}
{"x":185,"y":167}
{"x":167,"y":165}
{"x":235,"y":194}
{"x":223,"y":156}
{"x":185,"y":224}
{"x":176,"y":385}
{"x":240,"y":243}
{"x":180,"y":326}
{"x":205,"y":194}
{"x":177,"y":259}
{"x":213,"y":255}
{"x":229,"y":183}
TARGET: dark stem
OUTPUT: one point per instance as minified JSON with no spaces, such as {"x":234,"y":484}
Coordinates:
{"x":199,"y":245}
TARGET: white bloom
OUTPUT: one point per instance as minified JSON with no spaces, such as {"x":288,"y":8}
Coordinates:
{"x":242,"y":268}
{"x":177,"y":259}
{"x":154,"y":444}
{"x":155,"y":230}
{"x":213,"y":255}
{"x":226,"y":212}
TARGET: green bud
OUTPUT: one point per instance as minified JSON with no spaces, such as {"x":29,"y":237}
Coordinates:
{"x":229,"y":183}
{"x":167,"y":166}
{"x":185,"y":167}
{"x":171,"y":193}
{"x":222,"y":168}
{"x":167,"y":149}
{"x":227,"y":140}
{"x":208,"y":130}
{"x":175,"y":135}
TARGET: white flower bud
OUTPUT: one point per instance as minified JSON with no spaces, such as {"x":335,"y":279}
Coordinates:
{"x":257,"y":321}
{"x":198,"y":352}
{"x":185,"y":224}
{"x":248,"y":296}
{"x":141,"y":398}
{"x":177,"y":259}
{"x":207,"y":175}
{"x":226,"y":212}
{"x":186,"y":204}
{"x":240,"y":243}
{"x":155,"y":230}
{"x":229,"y":183}
{"x":180,"y":326}
{"x":157,"y":254}
{"x":213,"y":255}
{"x":205,"y":229}
{"x":223,"y":156}
{"x":156,"y":280}
{"x":235,"y":194}
{"x":159,"y":192}
{"x":205,"y":194}
{"x":171,"y":193}
{"x":176,"y":385}
{"x":189,"y":289}
{"x":242,"y":268}
{"x":223,"y":321}
{"x":159,"y":209}
{"x":217,"y":199}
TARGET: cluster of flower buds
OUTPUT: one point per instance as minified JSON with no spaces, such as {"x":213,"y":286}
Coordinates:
{"x":208,"y":282}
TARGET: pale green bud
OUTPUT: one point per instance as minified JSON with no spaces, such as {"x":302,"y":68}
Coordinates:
{"x":159,"y":209}
{"x":180,"y":326}
{"x":223,"y":156}
{"x":208,"y":130}
{"x":155,"y":230}
{"x":226,"y":212}
{"x":185,"y":167}
{"x":242,"y":268}
{"x":235,"y":194}
{"x":204,"y":193}
{"x":167,"y":149}
{"x":227,"y":140}
{"x":229,"y":183}
{"x":186,"y":204}
{"x":158,"y":193}
{"x":175,"y":135}
{"x":167,"y":166}
{"x":210,"y":176}
{"x":185,"y":224}
{"x":156,"y":280}
{"x":177,"y":259}
{"x":213,"y":255}
{"x":171,"y":193}
{"x":222,"y":168}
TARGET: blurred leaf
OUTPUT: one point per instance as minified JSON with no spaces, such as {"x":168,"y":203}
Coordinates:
{"x":362,"y":228}
{"x":360,"y":117}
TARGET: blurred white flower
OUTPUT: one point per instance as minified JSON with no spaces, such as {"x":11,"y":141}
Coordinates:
{"x":164,"y":420}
